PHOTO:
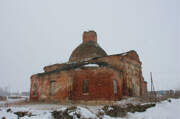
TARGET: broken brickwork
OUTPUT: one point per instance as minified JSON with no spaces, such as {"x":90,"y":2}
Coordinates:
{"x":90,"y":75}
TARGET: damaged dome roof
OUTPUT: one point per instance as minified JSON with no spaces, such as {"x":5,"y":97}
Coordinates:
{"x":88,"y":49}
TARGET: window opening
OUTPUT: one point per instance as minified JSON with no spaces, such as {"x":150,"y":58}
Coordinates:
{"x":115,"y":86}
{"x":85,"y":86}
{"x":52,"y":87}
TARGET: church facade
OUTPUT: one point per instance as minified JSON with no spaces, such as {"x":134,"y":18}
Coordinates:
{"x":90,"y":75}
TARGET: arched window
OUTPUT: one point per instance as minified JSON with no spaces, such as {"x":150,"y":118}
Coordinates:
{"x":52,"y":87}
{"x":115,"y":86}
{"x":85,"y":86}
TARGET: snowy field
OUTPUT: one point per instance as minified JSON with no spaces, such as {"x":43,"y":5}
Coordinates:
{"x":163,"y":110}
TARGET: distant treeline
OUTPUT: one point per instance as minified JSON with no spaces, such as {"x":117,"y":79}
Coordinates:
{"x":4,"y":91}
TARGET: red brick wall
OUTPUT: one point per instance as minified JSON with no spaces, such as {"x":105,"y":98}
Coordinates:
{"x":100,"y":84}
{"x":69,"y":84}
{"x":144,"y":90}
{"x":130,"y":66}
{"x":63,"y":85}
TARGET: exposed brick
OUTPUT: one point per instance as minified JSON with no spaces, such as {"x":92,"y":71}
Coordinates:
{"x":64,"y":82}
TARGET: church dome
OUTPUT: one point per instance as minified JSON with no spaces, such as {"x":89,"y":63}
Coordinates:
{"x":88,"y":49}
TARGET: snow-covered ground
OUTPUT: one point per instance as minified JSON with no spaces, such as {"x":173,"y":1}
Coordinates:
{"x":163,"y":110}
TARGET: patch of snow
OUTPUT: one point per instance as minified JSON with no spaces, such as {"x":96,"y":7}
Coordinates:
{"x":134,"y":101}
{"x":163,"y":110}
{"x":4,"y":113}
{"x":85,"y":113}
{"x":110,"y":108}
{"x":91,"y":65}
{"x":124,"y":54}
{"x":108,"y":117}
{"x":45,"y":115}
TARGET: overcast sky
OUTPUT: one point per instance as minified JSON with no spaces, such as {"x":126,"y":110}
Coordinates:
{"x":37,"y":33}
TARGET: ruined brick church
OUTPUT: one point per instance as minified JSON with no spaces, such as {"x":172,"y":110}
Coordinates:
{"x":90,"y":75}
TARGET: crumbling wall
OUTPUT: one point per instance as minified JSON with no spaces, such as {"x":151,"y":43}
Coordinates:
{"x":64,"y":82}
{"x":51,"y":87}
{"x":53,"y":67}
{"x":100,"y":84}
{"x":130,"y":66}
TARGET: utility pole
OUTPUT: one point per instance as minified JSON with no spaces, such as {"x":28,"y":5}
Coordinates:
{"x":151,"y":82}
